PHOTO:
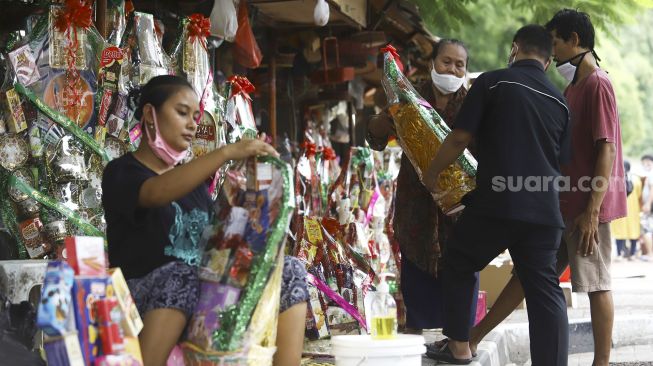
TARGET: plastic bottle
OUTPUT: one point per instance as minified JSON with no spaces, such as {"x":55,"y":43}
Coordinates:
{"x":384,"y":311}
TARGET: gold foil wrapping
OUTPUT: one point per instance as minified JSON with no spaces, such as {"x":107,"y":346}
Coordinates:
{"x":421,"y":143}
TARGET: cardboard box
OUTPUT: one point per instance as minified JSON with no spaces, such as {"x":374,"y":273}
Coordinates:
{"x":131,"y":323}
{"x":63,"y":351}
{"x":86,"y":255}
{"x":494,"y":278}
{"x":85,"y":291}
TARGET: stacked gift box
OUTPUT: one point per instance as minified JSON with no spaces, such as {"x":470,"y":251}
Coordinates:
{"x":86,"y":311}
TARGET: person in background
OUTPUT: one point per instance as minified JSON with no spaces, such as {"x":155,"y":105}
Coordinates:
{"x":420,"y":227}
{"x":628,"y":228}
{"x":512,"y":113}
{"x":156,"y":211}
{"x":596,"y":138}
{"x":647,"y":198}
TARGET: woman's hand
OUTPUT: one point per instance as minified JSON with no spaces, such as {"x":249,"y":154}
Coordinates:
{"x":248,"y":147}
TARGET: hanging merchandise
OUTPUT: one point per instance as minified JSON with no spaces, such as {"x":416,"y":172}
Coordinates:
{"x":321,"y":13}
{"x":191,"y":59}
{"x":331,"y":74}
{"x":145,"y":58}
{"x":421,"y":131}
{"x":239,"y":113}
{"x":52,"y":160}
{"x":224,"y":20}
{"x":246,"y":50}
{"x":116,"y":20}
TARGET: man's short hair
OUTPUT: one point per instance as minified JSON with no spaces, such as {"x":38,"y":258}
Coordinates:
{"x":535,"y":40}
{"x":647,"y":157}
{"x":567,"y":21}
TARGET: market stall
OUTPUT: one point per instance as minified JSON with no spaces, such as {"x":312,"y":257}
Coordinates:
{"x":306,"y":77}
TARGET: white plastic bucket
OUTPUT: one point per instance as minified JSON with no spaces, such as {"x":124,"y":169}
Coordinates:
{"x":362,"y":350}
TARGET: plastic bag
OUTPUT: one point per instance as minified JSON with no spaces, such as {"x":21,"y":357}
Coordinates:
{"x":246,"y":50}
{"x":224,"y":20}
{"x":321,"y":13}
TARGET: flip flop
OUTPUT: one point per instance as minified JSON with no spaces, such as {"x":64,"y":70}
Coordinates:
{"x":444,"y":355}
{"x":439,"y":344}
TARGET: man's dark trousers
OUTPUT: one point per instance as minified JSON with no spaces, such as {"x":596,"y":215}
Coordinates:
{"x":479,"y":239}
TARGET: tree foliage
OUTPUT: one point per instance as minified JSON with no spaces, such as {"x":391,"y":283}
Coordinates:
{"x":624,"y":42}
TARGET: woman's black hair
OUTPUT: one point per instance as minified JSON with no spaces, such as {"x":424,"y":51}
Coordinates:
{"x":158,"y":90}
{"x":447,"y":41}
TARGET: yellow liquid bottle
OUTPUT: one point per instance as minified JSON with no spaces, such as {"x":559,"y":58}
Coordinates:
{"x":383,"y":312}
{"x":384,"y":327}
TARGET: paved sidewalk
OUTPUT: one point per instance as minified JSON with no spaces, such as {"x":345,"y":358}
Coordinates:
{"x":632,"y":335}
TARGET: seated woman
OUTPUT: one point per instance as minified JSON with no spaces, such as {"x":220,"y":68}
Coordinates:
{"x":147,"y":196}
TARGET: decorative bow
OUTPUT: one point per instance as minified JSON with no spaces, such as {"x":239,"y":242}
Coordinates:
{"x":240,"y":84}
{"x":394,"y":54}
{"x":310,"y":148}
{"x":75,"y":13}
{"x":129,"y":7}
{"x":329,"y":154}
{"x":199,"y":27}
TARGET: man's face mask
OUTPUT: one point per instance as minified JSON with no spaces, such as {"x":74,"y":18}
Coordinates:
{"x":569,"y":70}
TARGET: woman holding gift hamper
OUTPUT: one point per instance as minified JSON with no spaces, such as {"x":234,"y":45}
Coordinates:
{"x":156,"y":211}
{"x":420,"y":226}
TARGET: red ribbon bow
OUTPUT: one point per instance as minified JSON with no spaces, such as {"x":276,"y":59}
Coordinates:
{"x":329,"y":154}
{"x":240,"y":84}
{"x":395,"y":55}
{"x":310,"y":148}
{"x":199,"y":27}
{"x":75,"y":13}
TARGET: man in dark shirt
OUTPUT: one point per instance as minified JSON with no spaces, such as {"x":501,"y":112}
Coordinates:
{"x":521,"y":126}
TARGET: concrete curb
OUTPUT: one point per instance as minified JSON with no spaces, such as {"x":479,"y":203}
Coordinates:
{"x":510,"y":343}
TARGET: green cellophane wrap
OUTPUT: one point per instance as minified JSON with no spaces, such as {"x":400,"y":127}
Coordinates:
{"x":235,"y":320}
{"x":421,"y":132}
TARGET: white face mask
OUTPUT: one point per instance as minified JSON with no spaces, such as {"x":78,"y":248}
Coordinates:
{"x":567,"y":69}
{"x":446,"y":83}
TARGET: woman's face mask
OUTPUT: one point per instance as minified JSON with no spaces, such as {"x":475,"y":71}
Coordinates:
{"x":446,"y":83}
{"x":159,"y":146}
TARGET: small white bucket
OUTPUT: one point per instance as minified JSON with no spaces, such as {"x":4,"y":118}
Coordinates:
{"x":361,"y":350}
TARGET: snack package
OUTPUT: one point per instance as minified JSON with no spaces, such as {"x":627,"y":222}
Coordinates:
{"x":316,"y":323}
{"x":63,"y":351}
{"x":256,"y":203}
{"x":55,"y":315}
{"x":421,"y":131}
{"x":132,"y":324}
{"x":86,"y":290}
{"x":214,"y":298}
{"x":86,"y":255}
{"x":340,"y":322}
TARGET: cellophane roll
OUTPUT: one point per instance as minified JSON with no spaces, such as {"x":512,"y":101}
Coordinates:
{"x":421,"y":132}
